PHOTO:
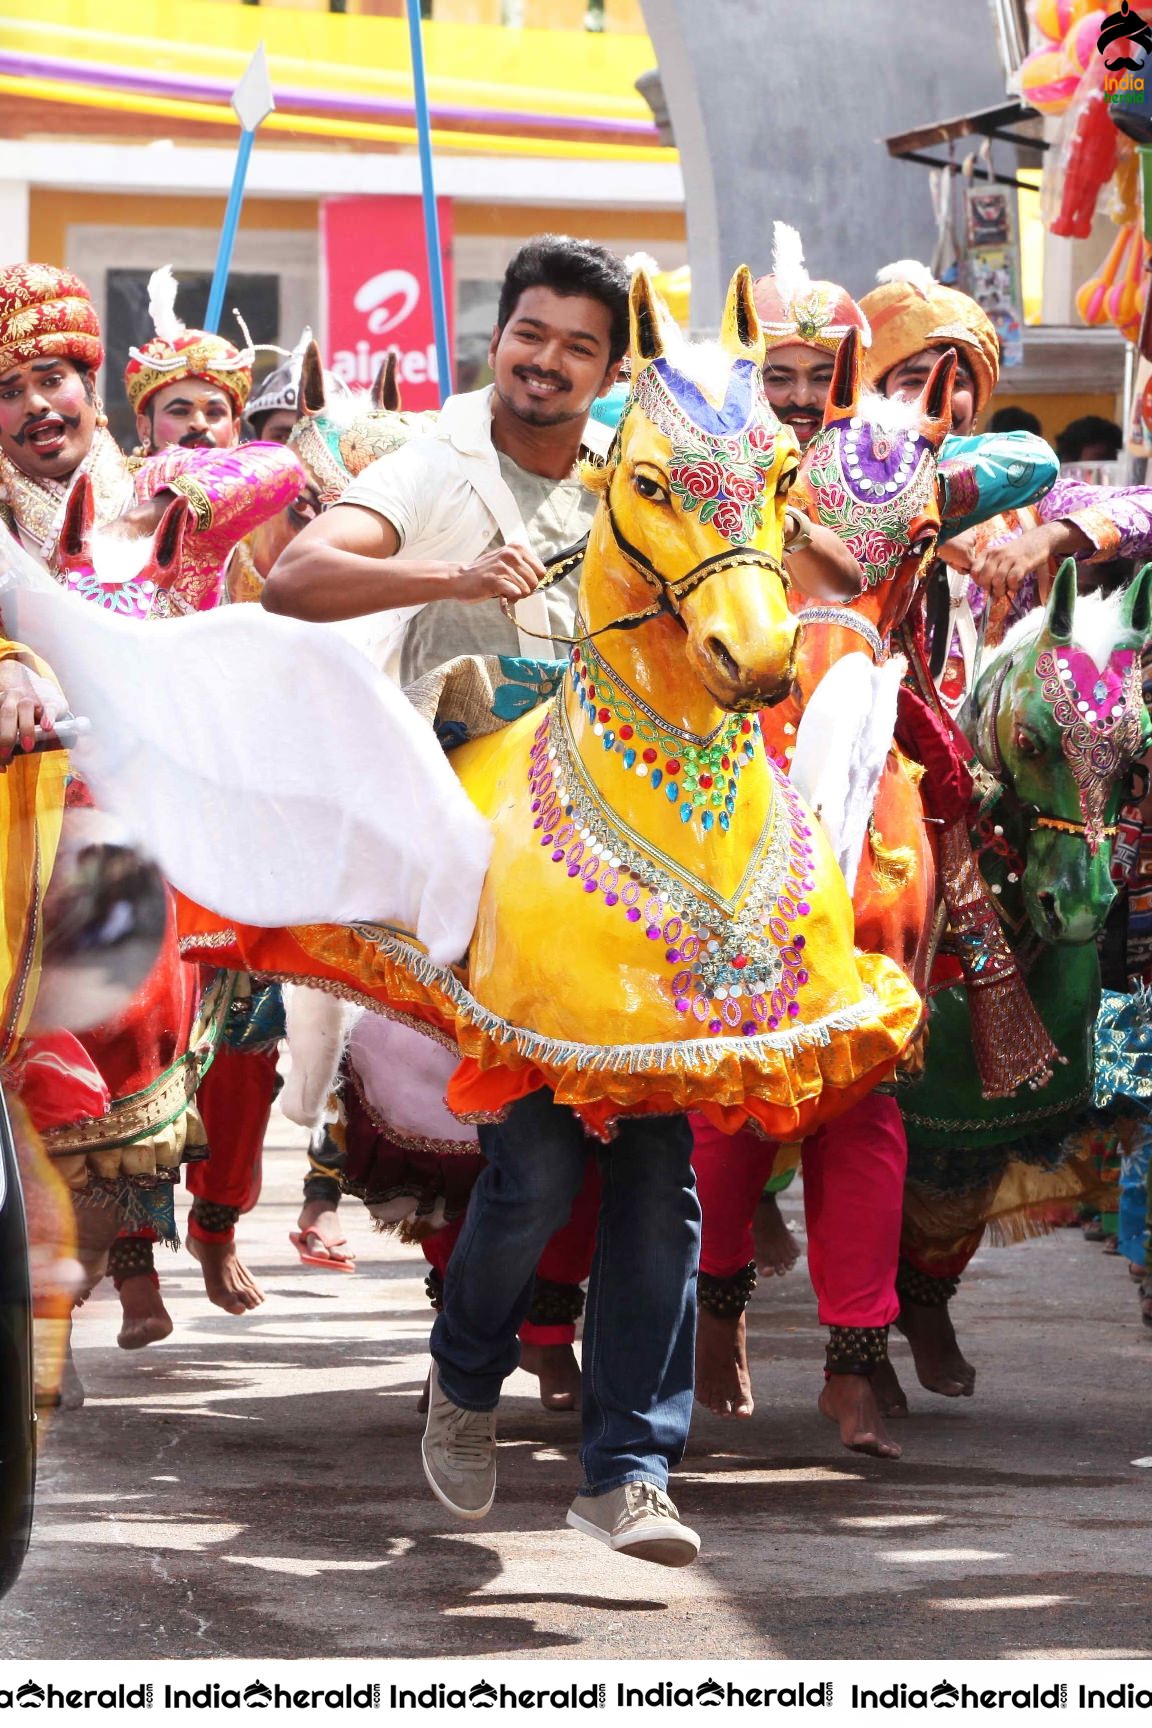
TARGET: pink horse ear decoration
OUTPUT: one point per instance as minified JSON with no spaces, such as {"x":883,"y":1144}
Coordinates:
{"x":121,"y":575}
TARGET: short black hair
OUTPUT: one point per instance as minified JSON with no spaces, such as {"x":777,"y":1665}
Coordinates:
{"x":1013,"y":419}
{"x":567,"y":267}
{"x":1089,"y":429}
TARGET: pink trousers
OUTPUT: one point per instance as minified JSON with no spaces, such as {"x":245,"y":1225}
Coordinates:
{"x":853,"y":1199}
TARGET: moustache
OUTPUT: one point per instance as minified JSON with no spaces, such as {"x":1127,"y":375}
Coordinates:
{"x":196,"y":441}
{"x":1122,"y":60}
{"x":794,"y":411}
{"x":540,"y":377}
{"x":70,"y":421}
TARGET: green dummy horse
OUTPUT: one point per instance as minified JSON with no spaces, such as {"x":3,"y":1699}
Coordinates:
{"x":1057,"y":721}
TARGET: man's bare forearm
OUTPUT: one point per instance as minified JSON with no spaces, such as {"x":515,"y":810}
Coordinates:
{"x":329,"y":584}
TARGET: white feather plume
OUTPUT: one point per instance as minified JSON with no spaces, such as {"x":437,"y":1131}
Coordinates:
{"x":641,"y":261}
{"x":909,"y":270}
{"x":162,"y":289}
{"x":788,"y":268}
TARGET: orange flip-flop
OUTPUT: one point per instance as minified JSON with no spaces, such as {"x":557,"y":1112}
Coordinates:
{"x":332,"y":1262}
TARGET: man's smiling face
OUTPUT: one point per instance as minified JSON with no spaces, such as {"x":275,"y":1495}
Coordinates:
{"x":47,"y":417}
{"x":553,"y":357}
{"x":797,"y":379}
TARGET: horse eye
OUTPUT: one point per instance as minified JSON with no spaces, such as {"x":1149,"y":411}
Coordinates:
{"x":1027,"y":745}
{"x":786,"y":482}
{"x":647,"y":487}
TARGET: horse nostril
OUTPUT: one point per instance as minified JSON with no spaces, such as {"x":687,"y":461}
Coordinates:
{"x":723,"y":658}
{"x":1047,"y":904}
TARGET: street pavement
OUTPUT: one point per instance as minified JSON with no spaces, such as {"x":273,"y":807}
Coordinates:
{"x":252,"y":1487}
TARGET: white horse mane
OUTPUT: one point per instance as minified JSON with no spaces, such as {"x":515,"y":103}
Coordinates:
{"x":116,"y":559}
{"x":1096,"y":626}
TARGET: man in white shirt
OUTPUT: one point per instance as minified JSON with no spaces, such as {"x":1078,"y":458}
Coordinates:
{"x":452,"y":531}
{"x":465,"y":516}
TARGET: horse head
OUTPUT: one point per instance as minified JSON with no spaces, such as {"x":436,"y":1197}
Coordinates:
{"x":335,"y":440}
{"x":124,"y":575}
{"x":870,"y":476}
{"x":1060,"y":720}
{"x":690,"y":530}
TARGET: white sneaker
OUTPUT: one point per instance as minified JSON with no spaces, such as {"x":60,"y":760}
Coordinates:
{"x":637,"y":1519}
{"x":459,"y":1453}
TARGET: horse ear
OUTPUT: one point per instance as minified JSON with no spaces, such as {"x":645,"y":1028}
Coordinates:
{"x":649,"y":319}
{"x":385,"y":389}
{"x":1061,"y":604}
{"x":168,"y":542}
{"x":936,"y":397}
{"x":76,"y":528}
{"x":311,"y":381}
{"x":740,"y":331}
{"x":844,"y":391}
{"x":1136,"y":606}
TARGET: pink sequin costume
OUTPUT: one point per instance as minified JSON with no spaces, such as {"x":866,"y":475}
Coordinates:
{"x":231,"y":492}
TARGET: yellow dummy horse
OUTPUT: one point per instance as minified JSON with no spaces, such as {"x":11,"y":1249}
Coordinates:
{"x":662,"y":926}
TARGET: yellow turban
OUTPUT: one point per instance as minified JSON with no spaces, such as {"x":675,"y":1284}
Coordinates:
{"x":911,"y":311}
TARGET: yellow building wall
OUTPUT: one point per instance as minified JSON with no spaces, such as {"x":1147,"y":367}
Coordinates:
{"x":52,"y":211}
{"x":1055,"y":411}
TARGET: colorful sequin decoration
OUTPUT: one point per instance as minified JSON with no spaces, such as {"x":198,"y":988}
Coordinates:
{"x":739,"y":973}
{"x":868,"y":486}
{"x":1101,"y":719}
{"x":701,"y":776}
{"x":722,"y":453}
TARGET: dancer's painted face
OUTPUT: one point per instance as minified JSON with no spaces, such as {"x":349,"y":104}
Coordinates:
{"x":47,"y":417}
{"x":192,"y":413}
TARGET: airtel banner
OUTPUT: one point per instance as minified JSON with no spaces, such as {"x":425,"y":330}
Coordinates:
{"x":377,"y":294}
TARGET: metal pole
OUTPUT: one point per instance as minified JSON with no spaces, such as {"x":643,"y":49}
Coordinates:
{"x":228,"y":233}
{"x":428,"y":194}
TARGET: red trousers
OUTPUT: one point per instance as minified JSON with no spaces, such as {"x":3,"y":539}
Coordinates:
{"x":566,"y":1260}
{"x":235,"y":1100}
{"x":853,"y":1200}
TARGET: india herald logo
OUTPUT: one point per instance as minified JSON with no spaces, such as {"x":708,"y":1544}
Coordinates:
{"x":1120,"y":27}
{"x":388,"y":299}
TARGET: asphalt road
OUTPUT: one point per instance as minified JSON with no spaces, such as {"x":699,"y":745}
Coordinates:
{"x":253,"y":1487}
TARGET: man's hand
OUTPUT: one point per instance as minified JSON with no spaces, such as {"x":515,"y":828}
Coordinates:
{"x":503,"y":573}
{"x":26,"y":701}
{"x":140,"y":521}
{"x":1000,"y":570}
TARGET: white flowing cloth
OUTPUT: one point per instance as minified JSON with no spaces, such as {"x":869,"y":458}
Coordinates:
{"x":842,"y":744}
{"x":265,"y":766}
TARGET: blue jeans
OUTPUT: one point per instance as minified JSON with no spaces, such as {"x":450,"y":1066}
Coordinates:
{"x":640,"y":1324}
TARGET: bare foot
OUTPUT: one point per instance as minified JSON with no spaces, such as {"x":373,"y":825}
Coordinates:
{"x":146,"y":1320}
{"x":723,"y":1383}
{"x":558,"y":1371}
{"x":776,"y":1248}
{"x":227,"y":1280}
{"x":890,"y":1395}
{"x":850,"y":1402}
{"x":940,"y":1366}
{"x":322,"y":1237}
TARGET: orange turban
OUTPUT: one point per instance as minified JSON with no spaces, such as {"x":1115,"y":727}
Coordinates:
{"x":911,"y":311}
{"x":794,"y":309}
{"x":45,"y":311}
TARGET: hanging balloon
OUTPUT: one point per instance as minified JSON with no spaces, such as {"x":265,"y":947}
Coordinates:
{"x":1080,"y":42}
{"x":1046,"y":84}
{"x":1054,"y":18}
